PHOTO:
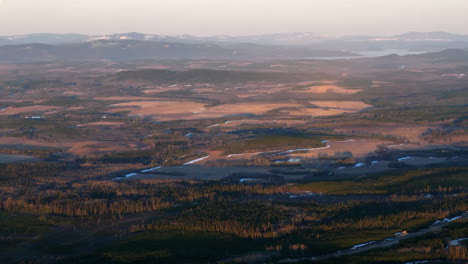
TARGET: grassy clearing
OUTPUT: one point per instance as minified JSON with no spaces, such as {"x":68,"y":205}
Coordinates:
{"x":425,"y":180}
{"x":273,"y":142}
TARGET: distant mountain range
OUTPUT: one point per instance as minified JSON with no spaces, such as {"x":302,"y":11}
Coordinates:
{"x":109,"y":50}
{"x":125,"y":50}
{"x":136,"y":46}
{"x":265,"y":39}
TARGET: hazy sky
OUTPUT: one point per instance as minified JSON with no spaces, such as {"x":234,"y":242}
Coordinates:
{"x":232,"y":17}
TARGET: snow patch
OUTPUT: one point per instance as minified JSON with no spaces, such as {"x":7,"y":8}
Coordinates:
{"x":152,"y":169}
{"x":195,"y":161}
{"x":456,"y":242}
{"x":246,"y":180}
{"x":447,"y":220}
{"x":311,"y":149}
{"x":404,"y":158}
{"x":131,"y":175}
{"x":303,"y":195}
{"x":362,"y":245}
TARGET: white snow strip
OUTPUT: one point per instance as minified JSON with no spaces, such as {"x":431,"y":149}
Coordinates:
{"x":447,"y":220}
{"x":456,"y":242}
{"x":246,"y":179}
{"x":195,"y":161}
{"x":242,"y":154}
{"x":231,"y":121}
{"x":361,"y":245}
{"x":359,"y":165}
{"x":404,"y":158}
{"x":131,"y":175}
{"x":311,"y":149}
{"x":152,"y":169}
{"x":454,"y":218}
{"x":303,"y":195}
{"x":235,"y":155}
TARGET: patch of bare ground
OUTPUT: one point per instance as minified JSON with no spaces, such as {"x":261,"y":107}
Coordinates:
{"x":101,"y":123}
{"x":155,"y":67}
{"x":462,"y":139}
{"x":327,"y":108}
{"x":14,"y":141}
{"x":359,"y":148}
{"x":320,"y":89}
{"x":242,"y":92}
{"x":241,"y":108}
{"x":26,"y":109}
{"x":74,"y":108}
{"x":98,"y":147}
{"x":180,"y":110}
{"x":124,"y":98}
{"x":314,"y":112}
{"x":410,"y":132}
{"x":160,"y":90}
{"x":205,"y":90}
{"x":235,"y":123}
{"x":73,"y":93}
{"x":158,"y":108}
{"x":344,"y":105}
{"x":312,"y":82}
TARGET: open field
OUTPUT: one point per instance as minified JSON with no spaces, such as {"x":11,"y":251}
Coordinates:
{"x":235,"y":123}
{"x":36,"y":109}
{"x":359,"y":148}
{"x":172,"y":110}
{"x":158,"y":108}
{"x":411,"y":132}
{"x":25,"y":142}
{"x":102,"y":123}
{"x":124,"y":98}
{"x":96,"y":147}
{"x":315,"y":112}
{"x":345,"y":105}
{"x":320,"y":89}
